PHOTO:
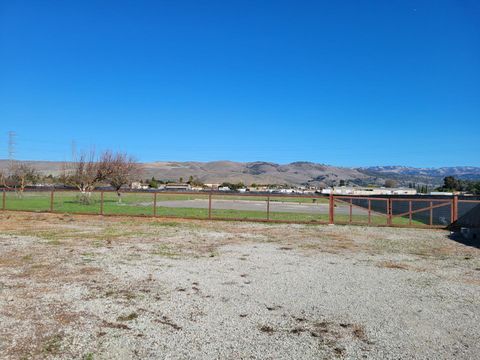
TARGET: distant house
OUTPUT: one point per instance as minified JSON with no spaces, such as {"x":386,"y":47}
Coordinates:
{"x":212,"y":186}
{"x":178,"y":187}
{"x":403,"y":191}
{"x":287,"y":191}
{"x":196,"y":188}
{"x":258,"y":188}
{"x":440,"y":193}
{"x":223,"y":188}
{"x":137,"y":185}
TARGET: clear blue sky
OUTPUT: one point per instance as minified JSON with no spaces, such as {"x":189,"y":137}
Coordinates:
{"x":349,"y":83}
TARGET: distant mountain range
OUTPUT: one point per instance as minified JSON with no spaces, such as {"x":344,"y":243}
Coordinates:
{"x":434,"y":176}
{"x":296,"y":173}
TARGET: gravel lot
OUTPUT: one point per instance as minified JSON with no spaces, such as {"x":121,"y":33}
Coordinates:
{"x":122,"y":288}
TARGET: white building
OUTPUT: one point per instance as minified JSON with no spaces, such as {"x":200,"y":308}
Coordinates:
{"x":178,"y":187}
{"x":346,"y":190}
{"x":137,"y":185}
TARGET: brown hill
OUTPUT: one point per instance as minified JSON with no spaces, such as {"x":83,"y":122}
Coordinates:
{"x":296,"y":173}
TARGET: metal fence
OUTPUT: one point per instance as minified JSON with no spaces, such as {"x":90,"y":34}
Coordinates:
{"x":419,"y":211}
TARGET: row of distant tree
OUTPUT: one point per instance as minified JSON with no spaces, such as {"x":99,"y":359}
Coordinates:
{"x":451,"y":183}
{"x":86,"y":172}
{"x":155,"y":183}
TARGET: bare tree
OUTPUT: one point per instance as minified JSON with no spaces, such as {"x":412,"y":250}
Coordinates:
{"x":87,"y":171}
{"x":83,"y":173}
{"x":3,"y":179}
{"x":118,"y":169}
{"x":19,"y":176}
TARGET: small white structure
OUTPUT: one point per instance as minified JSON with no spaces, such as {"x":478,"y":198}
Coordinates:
{"x":346,"y":190}
{"x":440,"y":193}
{"x":223,"y":188}
{"x":287,"y":191}
{"x":137,"y":185}
{"x":178,"y":187}
{"x":212,"y":186}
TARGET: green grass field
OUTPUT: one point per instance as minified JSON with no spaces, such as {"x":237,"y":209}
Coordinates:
{"x":142,"y":204}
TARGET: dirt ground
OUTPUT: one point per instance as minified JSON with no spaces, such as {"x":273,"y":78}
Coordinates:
{"x":88,"y":287}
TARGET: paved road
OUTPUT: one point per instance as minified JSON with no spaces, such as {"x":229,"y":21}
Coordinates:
{"x":255,"y":205}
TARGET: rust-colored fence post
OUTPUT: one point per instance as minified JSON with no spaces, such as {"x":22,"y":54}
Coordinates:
{"x":389,"y":212}
{"x":155,"y":203}
{"x":455,"y":209}
{"x":101,"y":203}
{"x":210,"y":205}
{"x":431,"y":213}
{"x":410,"y":209}
{"x":369,"y":211}
{"x":4,"y":198}
{"x":51,"y":200}
{"x":331,"y":212}
{"x":350,"y":213}
{"x":268,"y":207}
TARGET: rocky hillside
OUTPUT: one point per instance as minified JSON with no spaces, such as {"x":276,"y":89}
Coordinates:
{"x":254,"y":172}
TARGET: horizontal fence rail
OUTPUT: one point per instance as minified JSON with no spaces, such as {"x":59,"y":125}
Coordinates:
{"x":421,"y":211}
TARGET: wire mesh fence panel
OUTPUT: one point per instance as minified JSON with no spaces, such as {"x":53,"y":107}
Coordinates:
{"x":301,"y":209}
{"x":413,"y":211}
{"x":442,"y":215}
{"x":128,"y":203}
{"x":350,"y":210}
{"x":465,"y":207}
{"x":239,"y":207}
{"x":27,"y":200}
{"x":76,"y":202}
{"x":182,"y":205}
{"x":421,"y":212}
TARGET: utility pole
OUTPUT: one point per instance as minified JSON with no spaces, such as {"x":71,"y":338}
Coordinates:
{"x":11,"y":147}
{"x":74,"y":150}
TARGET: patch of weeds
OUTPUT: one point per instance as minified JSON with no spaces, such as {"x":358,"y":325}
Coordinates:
{"x":267,"y":329}
{"x":28,"y":257}
{"x":129,"y":317}
{"x":392,"y":265}
{"x":52,"y":345}
{"x":166,"y":251}
{"x":115,"y":326}
{"x":166,"y":223}
{"x":88,"y":256}
{"x":128,"y":295}
{"x":54,"y":242}
{"x":297,"y":330}
{"x":167,"y":321}
{"x":359,"y":332}
{"x":88,"y":356}
{"x":97,"y":243}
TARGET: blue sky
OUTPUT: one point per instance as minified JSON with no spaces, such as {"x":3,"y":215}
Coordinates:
{"x":350,"y":83}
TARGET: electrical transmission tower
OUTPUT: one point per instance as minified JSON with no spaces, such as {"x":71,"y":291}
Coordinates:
{"x":11,"y":146}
